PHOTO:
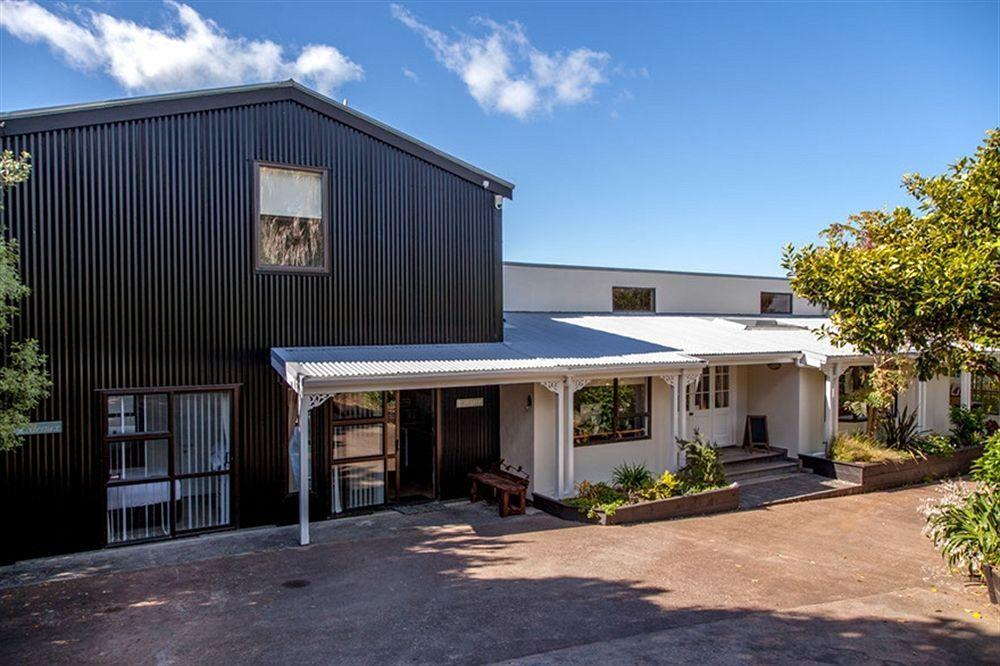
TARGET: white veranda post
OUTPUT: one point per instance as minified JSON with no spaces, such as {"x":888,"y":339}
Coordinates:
{"x":965,"y":389}
{"x":306,"y":404}
{"x":557,"y":387}
{"x":678,"y":409}
{"x":572,"y":386}
{"x":832,"y":373}
{"x":922,"y":405}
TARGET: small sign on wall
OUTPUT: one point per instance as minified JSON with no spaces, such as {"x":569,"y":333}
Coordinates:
{"x":42,"y":428}
{"x":463,"y":403}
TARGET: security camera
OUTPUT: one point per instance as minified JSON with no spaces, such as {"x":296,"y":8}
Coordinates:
{"x":497,"y":201}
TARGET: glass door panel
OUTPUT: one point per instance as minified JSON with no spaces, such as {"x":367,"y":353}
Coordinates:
{"x":168,"y":456}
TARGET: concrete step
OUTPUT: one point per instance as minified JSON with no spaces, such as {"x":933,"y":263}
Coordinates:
{"x":737,"y":455}
{"x":770,"y":478}
{"x":761,"y":469}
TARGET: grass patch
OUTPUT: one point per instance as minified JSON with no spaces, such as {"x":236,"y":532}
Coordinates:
{"x":860,"y":449}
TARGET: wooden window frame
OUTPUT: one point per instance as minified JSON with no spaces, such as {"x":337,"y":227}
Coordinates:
{"x":324,"y":222}
{"x":791,"y":302}
{"x":390,"y":451}
{"x":647,"y":414}
{"x":652,"y":298}
{"x":171,"y":477}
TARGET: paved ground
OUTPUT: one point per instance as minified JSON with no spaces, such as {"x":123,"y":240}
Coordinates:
{"x":793,"y":488}
{"x":844,"y":580}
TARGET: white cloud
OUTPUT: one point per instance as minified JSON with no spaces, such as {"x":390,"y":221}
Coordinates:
{"x":190,"y":52}
{"x":504,"y":72}
{"x":411,"y":75}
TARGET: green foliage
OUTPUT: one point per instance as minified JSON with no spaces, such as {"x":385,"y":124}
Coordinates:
{"x":968,"y":427}
{"x":937,"y":445}
{"x":665,"y":486}
{"x":986,"y":469}
{"x":13,"y":171}
{"x":631,"y":477}
{"x":926,"y":281}
{"x":633,"y":483}
{"x":899,"y":431}
{"x":858,"y":448}
{"x":702,"y":470}
{"x":24,"y":381}
{"x":595,"y":498}
{"x":965,"y":526}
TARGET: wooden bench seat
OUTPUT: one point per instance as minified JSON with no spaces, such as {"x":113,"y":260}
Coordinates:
{"x":505,"y":484}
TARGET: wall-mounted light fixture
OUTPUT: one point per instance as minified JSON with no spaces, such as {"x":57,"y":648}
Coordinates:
{"x":527,"y":404}
{"x":774,"y":366}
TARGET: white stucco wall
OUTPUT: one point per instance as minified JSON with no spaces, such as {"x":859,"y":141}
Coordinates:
{"x":536,"y":288}
{"x":517,"y":427}
{"x":543,"y":413}
{"x":595,"y":462}
{"x":812,"y":407}
{"x":775,"y":394}
{"x":938,"y":407}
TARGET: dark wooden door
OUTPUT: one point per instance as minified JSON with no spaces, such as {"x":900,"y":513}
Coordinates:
{"x":470,"y":435}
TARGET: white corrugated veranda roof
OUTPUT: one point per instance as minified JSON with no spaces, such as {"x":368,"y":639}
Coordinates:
{"x":540,"y":346}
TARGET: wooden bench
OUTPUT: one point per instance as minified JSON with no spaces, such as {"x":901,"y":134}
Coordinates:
{"x":505,"y":482}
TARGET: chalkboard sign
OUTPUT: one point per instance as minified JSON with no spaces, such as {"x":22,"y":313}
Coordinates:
{"x":755,"y":432}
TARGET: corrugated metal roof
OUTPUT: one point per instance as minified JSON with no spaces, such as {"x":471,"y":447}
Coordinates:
{"x":564,"y":343}
{"x":709,"y":335}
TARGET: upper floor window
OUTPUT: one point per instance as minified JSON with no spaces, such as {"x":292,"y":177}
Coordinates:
{"x":292,"y":219}
{"x":633,"y":299}
{"x":775,"y":303}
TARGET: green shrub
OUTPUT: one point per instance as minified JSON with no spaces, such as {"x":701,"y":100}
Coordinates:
{"x":857,"y":448}
{"x":986,"y":469}
{"x":968,"y":427}
{"x":664,"y":487}
{"x":631,"y":477}
{"x":937,"y":445}
{"x":703,"y":470}
{"x":965,"y":526}
{"x":898,"y":430}
{"x":592,"y":498}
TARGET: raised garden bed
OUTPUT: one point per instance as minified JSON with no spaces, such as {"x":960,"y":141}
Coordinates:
{"x":877,"y":476}
{"x":710,"y":501}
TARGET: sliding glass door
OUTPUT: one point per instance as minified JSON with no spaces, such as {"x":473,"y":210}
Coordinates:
{"x":168,"y":458}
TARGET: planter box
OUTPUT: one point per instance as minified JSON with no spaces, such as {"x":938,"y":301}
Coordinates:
{"x":992,"y":576}
{"x":877,"y":476}
{"x":711,"y":501}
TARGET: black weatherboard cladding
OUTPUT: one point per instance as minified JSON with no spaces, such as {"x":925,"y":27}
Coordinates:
{"x":137,"y":243}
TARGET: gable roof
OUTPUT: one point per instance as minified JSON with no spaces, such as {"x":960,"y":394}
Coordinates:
{"x":151,"y":106}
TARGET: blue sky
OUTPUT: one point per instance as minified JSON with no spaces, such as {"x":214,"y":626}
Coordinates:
{"x":688,"y":136}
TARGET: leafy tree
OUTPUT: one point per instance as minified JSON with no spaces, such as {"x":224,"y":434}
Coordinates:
{"x":921,"y":283}
{"x":24,"y":381}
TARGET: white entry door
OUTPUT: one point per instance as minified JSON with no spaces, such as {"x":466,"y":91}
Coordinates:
{"x":708,"y":404}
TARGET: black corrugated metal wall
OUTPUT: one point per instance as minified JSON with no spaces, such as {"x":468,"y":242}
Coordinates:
{"x":137,"y":242}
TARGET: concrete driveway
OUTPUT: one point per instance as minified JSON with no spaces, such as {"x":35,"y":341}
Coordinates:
{"x":845,"y":580}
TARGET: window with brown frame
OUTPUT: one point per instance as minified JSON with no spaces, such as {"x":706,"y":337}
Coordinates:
{"x":775,"y":302}
{"x":633,"y":299}
{"x":614,"y":410}
{"x":363,"y":450}
{"x":292,"y":222}
{"x":168,"y":458}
